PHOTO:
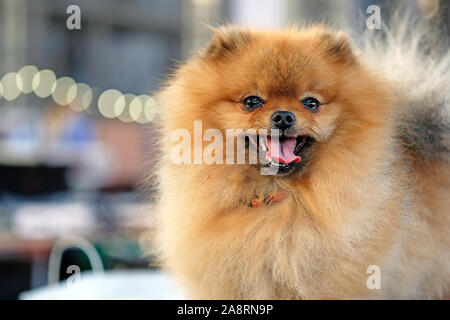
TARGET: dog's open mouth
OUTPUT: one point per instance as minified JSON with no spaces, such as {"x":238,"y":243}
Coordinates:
{"x":281,"y":152}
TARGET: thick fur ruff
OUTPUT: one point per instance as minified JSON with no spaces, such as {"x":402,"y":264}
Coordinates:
{"x":374,"y":191}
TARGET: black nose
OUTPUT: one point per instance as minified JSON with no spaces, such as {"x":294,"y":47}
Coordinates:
{"x":283,"y":119}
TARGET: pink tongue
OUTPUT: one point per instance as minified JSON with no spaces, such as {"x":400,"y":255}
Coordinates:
{"x":282,"y":152}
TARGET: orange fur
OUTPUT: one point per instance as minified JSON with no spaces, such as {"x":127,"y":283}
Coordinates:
{"x":359,"y":202}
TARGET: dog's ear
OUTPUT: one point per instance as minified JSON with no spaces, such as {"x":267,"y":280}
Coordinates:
{"x":227,"y":40}
{"x":336,"y":45}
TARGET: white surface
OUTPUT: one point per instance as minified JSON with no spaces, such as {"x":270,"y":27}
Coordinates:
{"x":269,"y":14}
{"x":112,"y":285}
{"x":39,"y":220}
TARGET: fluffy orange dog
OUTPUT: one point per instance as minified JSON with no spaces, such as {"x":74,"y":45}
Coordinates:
{"x":362,"y":154}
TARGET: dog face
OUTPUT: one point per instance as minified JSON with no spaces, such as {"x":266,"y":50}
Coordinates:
{"x":306,"y":90}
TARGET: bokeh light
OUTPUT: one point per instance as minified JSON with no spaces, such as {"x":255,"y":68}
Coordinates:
{"x":83,"y":97}
{"x":125,"y":116}
{"x":65,"y":91}
{"x":150,"y":109}
{"x":111,"y":103}
{"x":137,"y":108}
{"x":25,"y":78}
{"x":9,"y":86}
{"x":44,"y":83}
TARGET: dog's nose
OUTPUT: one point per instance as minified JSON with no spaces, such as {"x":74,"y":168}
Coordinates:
{"x":283,"y":119}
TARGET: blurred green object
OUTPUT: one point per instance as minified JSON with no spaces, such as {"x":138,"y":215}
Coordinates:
{"x":119,"y":252}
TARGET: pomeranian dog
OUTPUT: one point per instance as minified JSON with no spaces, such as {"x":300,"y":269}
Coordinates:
{"x":359,"y":137}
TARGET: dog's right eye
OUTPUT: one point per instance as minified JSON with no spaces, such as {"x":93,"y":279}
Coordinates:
{"x":252,"y":102}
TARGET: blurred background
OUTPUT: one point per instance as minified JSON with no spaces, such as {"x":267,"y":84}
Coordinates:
{"x":76,"y":114}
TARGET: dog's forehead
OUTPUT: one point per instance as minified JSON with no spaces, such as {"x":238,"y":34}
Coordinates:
{"x":281,"y":73}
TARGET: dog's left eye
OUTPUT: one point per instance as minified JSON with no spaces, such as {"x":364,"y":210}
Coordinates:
{"x":311,"y":103}
{"x":252,"y":102}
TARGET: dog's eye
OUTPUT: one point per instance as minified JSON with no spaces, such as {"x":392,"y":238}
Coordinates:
{"x":311,"y":104}
{"x":252,"y":102}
